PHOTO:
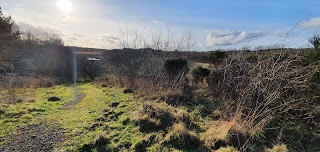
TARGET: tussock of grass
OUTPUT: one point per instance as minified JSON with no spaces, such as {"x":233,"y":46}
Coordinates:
{"x":217,"y":131}
{"x":100,"y":140}
{"x":227,"y":149}
{"x":154,"y":117}
{"x":278,"y":148}
{"x":181,"y":137}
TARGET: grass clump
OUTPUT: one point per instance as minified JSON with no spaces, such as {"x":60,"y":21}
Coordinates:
{"x":154,"y":117}
{"x":100,"y":143}
{"x":278,"y":148}
{"x":217,"y":132}
{"x":227,"y":149}
{"x":181,"y":137}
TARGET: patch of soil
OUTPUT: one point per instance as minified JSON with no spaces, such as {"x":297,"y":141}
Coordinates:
{"x":77,"y":99}
{"x":33,"y":138}
{"x":54,"y":99}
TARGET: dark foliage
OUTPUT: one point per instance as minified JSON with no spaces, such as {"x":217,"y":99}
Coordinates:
{"x":199,"y":73}
{"x":175,"y":67}
{"x":217,"y":56}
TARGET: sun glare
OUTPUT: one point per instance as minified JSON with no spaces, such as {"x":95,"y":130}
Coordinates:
{"x":65,"y":5}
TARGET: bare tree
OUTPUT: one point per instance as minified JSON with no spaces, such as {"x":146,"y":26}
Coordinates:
{"x":162,"y":38}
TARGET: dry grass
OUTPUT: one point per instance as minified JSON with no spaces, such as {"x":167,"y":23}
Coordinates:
{"x":278,"y":148}
{"x":181,"y":136}
{"x":154,"y":117}
{"x":227,"y":149}
{"x":218,"y":131}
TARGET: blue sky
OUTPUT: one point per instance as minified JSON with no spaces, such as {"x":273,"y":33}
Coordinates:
{"x":213,"y":23}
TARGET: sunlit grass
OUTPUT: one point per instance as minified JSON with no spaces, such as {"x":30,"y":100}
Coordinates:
{"x":22,"y":114}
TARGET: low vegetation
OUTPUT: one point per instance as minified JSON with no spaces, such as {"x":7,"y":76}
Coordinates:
{"x":153,"y":100}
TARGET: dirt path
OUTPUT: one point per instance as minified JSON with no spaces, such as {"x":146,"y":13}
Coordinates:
{"x":41,"y":137}
{"x":78,"y":96}
{"x":34,"y":138}
{"x":65,"y":125}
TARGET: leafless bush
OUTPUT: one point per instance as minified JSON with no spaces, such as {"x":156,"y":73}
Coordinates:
{"x":259,"y":92}
{"x":15,"y":88}
{"x":9,"y":90}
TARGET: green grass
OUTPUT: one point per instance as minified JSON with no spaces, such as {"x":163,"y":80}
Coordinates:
{"x":22,"y":114}
{"x":82,"y":122}
{"x":106,"y":119}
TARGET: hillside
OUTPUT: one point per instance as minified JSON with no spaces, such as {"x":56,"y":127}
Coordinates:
{"x":55,"y":97}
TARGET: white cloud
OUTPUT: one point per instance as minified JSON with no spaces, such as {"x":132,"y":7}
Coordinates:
{"x":157,"y":22}
{"x":38,"y":30}
{"x":230,"y":37}
{"x":71,"y":19}
{"x":105,"y":40}
{"x":312,"y":23}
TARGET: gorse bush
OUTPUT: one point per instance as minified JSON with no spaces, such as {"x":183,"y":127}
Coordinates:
{"x":176,"y":67}
{"x":217,"y":56}
{"x":252,"y":58}
{"x":312,"y":56}
{"x":315,"y":41}
{"x":199,"y":73}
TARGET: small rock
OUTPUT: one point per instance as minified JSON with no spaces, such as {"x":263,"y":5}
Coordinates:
{"x":54,"y":99}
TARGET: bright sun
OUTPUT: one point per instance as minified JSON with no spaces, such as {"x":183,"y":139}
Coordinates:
{"x":65,"y":5}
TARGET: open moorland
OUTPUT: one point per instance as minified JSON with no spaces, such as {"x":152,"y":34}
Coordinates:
{"x":60,"y":98}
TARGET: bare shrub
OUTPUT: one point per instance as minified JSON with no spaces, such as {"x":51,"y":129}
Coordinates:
{"x":13,"y":89}
{"x":260,"y":92}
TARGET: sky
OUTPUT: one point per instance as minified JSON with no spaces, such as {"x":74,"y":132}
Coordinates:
{"x":213,"y":24}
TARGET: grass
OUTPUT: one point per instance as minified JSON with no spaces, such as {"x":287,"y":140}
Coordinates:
{"x":21,"y":114}
{"x":217,"y":131}
{"x":181,"y":137}
{"x":106,"y":119}
{"x":278,"y":148}
{"x":227,"y":149}
{"x":102,"y":111}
